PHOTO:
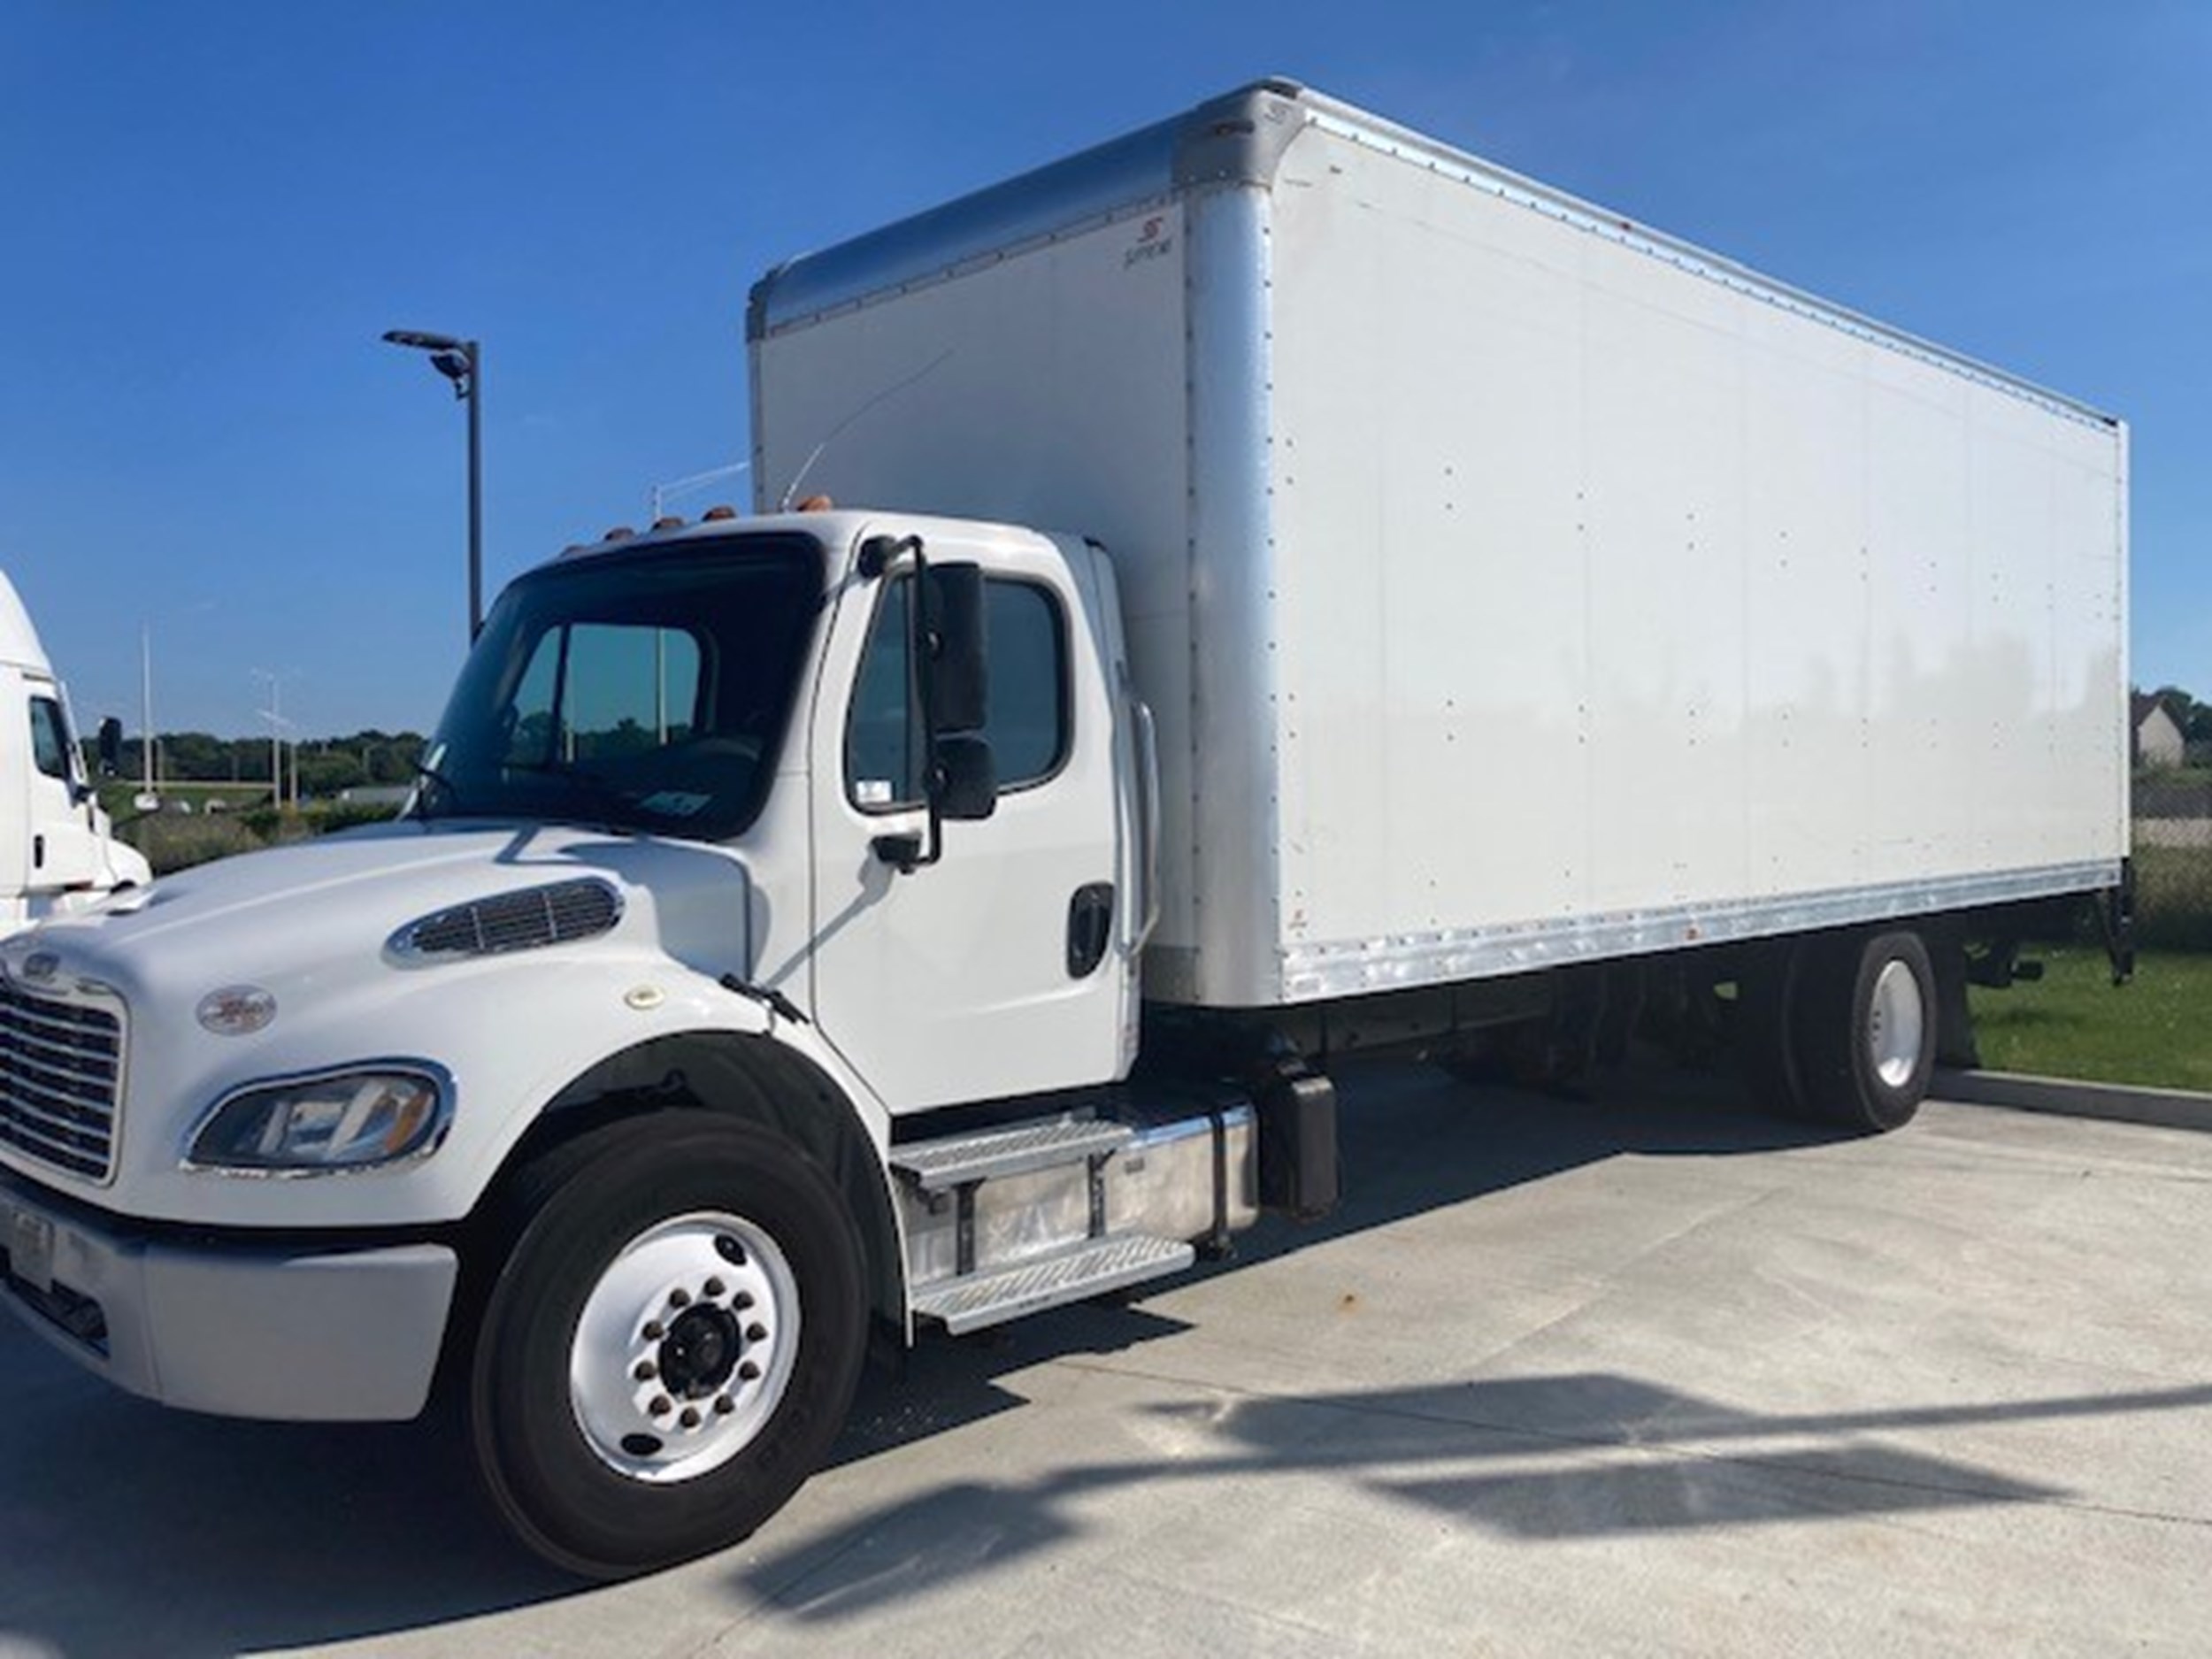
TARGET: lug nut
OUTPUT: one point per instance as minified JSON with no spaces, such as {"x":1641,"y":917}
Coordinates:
{"x":680,"y":1298}
{"x":646,"y":1371}
{"x":755,"y":1333}
{"x":715,"y":1287}
{"x":724,"y":1405}
{"x":662,"y":1406}
{"x":748,"y":1372}
{"x":690,"y":1418}
{"x":654,"y":1331}
{"x":741,"y":1301}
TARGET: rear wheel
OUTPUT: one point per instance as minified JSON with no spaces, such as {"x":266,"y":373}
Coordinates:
{"x":671,"y":1345}
{"x":1865,"y":1024}
{"x":1764,"y":1028}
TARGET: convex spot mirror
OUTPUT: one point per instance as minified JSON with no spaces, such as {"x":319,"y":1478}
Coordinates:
{"x":964,"y":784}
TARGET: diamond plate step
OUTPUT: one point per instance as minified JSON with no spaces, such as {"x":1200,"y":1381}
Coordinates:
{"x":937,"y":1166}
{"x":984,"y":1299}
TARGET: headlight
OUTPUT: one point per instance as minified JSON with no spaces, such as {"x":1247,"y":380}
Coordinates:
{"x":336,"y":1120}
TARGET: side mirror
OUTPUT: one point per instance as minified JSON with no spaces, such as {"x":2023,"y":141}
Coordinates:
{"x":959,"y":675}
{"x":963,"y":785}
{"x":111,"y":746}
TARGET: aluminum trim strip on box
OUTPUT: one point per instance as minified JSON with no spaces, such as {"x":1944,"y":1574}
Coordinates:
{"x":1234,"y":139}
{"x":1317,"y":973}
{"x":1236,"y":749}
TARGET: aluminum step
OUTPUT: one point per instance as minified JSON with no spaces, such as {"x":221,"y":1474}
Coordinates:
{"x":977,"y":1300}
{"x":938,"y":1166}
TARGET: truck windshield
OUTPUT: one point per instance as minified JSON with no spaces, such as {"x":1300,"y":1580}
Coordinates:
{"x":647,"y":691}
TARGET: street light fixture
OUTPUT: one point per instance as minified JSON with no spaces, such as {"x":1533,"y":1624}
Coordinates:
{"x":462,"y":362}
{"x":677,"y":487}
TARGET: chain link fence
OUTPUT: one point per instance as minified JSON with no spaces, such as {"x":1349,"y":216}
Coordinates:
{"x":2173,"y":861}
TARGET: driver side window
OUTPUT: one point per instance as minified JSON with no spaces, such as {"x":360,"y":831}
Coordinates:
{"x":1027,"y":721}
{"x":50,"y":738}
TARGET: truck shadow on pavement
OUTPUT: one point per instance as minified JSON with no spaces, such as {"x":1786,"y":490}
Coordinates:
{"x":1550,"y":1458}
{"x":1412,"y":1142}
{"x":1544,"y":1459}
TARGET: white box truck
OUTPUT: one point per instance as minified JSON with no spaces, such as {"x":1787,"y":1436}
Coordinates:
{"x":1299,"y":589}
{"x":58,"y":850}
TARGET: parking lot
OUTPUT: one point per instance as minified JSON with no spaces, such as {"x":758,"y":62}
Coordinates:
{"x":1653,"y":1374}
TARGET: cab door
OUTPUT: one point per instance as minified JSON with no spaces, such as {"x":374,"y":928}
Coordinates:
{"x":997,"y":969}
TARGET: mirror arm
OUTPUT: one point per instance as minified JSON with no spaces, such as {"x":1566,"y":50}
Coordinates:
{"x":907,"y":853}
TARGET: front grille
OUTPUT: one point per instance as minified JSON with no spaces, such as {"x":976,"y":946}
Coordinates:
{"x":551,"y":915}
{"x":61,"y":1070}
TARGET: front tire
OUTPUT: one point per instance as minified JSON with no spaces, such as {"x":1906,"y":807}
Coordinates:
{"x":671,"y":1344}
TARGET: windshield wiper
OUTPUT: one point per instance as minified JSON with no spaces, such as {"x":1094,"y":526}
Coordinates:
{"x":603,"y":792}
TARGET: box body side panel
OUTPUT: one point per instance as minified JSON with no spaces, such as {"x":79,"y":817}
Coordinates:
{"x":1612,"y":590}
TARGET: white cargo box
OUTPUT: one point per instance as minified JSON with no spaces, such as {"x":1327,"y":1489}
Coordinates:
{"x":1513,"y":585}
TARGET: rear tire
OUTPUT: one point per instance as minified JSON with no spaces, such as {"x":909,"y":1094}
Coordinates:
{"x":1765,"y":1029}
{"x":1865,"y":1028}
{"x":671,"y":1345}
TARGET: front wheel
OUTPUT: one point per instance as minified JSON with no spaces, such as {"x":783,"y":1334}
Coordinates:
{"x":671,"y":1345}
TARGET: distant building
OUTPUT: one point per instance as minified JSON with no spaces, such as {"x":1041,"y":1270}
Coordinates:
{"x":2157,"y":743}
{"x":391,"y":795}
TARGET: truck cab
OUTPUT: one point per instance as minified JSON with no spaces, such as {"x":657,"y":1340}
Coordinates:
{"x":939,"y":889}
{"x":57,"y":850}
{"x":749,"y":847}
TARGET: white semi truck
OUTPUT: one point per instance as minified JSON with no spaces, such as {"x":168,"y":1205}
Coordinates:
{"x":1299,"y":589}
{"x":57,"y":850}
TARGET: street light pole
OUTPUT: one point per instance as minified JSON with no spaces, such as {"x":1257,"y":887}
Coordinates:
{"x":475,"y":394}
{"x":146,"y":707}
{"x":462,"y":362}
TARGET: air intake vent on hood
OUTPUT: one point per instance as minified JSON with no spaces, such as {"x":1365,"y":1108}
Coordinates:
{"x":513,"y":921}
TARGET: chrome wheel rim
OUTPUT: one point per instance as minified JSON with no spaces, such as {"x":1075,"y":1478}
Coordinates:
{"x":685,"y":1347}
{"x":1895,"y":1024}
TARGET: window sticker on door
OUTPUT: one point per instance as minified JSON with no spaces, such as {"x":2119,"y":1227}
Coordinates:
{"x":873,"y":791}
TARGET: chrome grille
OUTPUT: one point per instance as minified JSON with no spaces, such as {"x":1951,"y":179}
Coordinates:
{"x":553,"y":915}
{"x":61,"y":1070}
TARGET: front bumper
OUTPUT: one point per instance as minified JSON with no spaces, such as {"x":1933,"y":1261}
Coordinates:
{"x":233,"y":1325}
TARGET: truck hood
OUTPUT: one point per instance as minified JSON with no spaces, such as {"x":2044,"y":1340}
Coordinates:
{"x":324,"y":911}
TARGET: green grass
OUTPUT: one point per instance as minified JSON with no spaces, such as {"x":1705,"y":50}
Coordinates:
{"x":2156,"y":1031}
{"x":2173,"y":897}
{"x":174,"y":842}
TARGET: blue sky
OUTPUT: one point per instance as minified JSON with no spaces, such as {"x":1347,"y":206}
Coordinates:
{"x":211,"y":211}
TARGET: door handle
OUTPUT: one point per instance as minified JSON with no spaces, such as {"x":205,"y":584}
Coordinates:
{"x":1090,"y":927}
{"x":38,"y":852}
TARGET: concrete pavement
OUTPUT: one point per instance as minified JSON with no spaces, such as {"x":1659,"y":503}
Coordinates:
{"x":1651,"y":1376}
